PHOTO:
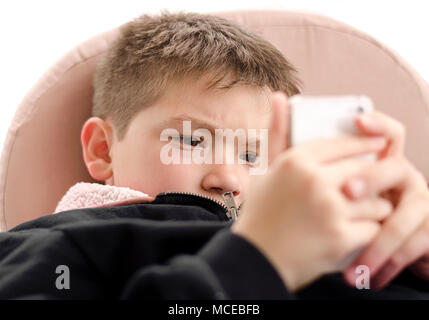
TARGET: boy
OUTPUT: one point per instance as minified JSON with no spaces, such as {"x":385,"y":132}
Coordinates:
{"x":312,"y":210}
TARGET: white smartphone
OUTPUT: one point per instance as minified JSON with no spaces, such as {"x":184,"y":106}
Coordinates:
{"x":316,"y":117}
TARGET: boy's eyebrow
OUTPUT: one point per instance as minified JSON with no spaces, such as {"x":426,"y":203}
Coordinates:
{"x":200,"y":123}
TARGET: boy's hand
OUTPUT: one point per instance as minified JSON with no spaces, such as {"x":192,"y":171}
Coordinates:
{"x":404,"y":237}
{"x":297,"y":213}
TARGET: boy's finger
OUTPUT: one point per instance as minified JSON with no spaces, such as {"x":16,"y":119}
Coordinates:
{"x":377,"y":123}
{"x":278,"y":130}
{"x":359,"y":178}
{"x":361,"y":234}
{"x":330,"y":150}
{"x":340,"y":172}
{"x":397,"y":228}
{"x":376,"y":209}
{"x":414,"y":248}
{"x":386,"y":174}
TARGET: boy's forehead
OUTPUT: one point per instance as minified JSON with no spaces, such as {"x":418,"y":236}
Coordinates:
{"x":236,"y":107}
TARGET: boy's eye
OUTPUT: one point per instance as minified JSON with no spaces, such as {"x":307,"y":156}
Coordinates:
{"x":249,"y":157}
{"x":191,"y":140}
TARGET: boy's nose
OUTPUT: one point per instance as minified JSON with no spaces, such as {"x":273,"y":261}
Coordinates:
{"x":221,"y":180}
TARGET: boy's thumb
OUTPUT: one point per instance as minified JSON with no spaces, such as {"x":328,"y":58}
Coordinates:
{"x":279,"y":125}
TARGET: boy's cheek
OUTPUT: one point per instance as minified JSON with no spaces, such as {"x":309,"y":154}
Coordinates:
{"x":175,"y":177}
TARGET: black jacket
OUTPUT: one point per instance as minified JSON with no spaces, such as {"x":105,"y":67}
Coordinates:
{"x":176,"y":247}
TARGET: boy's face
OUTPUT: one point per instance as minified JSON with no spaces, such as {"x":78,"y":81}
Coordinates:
{"x":136,"y":160}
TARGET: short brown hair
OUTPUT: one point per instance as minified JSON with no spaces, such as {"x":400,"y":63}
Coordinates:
{"x":152,"y":51}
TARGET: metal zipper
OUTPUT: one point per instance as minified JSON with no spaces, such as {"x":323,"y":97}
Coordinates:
{"x":229,"y":206}
{"x":232,"y":212}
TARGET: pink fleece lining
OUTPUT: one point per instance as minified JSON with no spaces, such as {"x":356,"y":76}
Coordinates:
{"x":90,"y":195}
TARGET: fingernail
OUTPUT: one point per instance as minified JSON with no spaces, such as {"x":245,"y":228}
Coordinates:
{"x":368,"y":121}
{"x":357,"y":187}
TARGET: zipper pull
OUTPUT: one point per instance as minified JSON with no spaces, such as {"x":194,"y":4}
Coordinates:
{"x":230,"y":204}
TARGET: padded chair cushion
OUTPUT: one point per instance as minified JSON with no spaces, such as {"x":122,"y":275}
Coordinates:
{"x":42,"y":155}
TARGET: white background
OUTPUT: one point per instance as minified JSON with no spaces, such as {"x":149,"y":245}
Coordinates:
{"x":34,"y":34}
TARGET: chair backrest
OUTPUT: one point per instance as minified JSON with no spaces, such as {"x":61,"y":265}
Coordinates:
{"x":42,"y":155}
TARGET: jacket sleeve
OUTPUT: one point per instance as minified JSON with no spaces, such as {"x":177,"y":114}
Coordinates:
{"x":29,"y":262}
{"x":227,"y":267}
{"x":124,"y":262}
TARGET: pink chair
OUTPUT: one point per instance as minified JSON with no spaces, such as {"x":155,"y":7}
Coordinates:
{"x":42,"y":154}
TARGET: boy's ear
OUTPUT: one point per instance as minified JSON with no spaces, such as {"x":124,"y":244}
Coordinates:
{"x":96,"y":140}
